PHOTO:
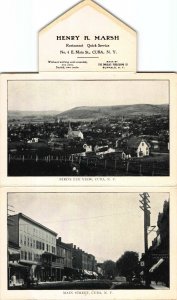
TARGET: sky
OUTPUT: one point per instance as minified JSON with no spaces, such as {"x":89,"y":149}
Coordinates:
{"x":33,"y":95}
{"x":103,"y":224}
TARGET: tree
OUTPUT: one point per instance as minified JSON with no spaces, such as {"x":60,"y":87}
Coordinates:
{"x":109,"y":268}
{"x":128,"y":264}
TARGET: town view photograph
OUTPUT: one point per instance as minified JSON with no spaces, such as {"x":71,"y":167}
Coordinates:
{"x":88,"y":128}
{"x":87,"y":241}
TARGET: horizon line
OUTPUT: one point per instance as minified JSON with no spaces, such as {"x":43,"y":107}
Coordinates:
{"x":50,"y":110}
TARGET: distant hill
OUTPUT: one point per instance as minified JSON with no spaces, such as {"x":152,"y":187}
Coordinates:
{"x":32,"y":116}
{"x":22,"y":114}
{"x":97,"y":112}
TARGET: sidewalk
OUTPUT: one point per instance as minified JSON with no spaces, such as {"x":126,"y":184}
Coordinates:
{"x":159,"y":286}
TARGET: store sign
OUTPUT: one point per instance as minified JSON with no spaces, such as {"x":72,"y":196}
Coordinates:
{"x":87,"y":38}
{"x":159,"y":256}
{"x":142,"y":264}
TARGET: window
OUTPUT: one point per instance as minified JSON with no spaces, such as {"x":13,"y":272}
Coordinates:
{"x":142,"y":144}
{"x":33,"y":243}
{"x":22,"y":255}
{"x":25,"y":255}
{"x":31,"y":256}
{"x":25,"y":240}
{"x":47,"y":247}
{"x":28,"y":241}
{"x":21,"y":239}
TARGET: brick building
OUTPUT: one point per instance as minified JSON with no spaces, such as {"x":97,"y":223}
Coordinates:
{"x":83,"y":262}
{"x":65,"y":251}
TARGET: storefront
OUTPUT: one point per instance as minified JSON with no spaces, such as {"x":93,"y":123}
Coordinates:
{"x":51,"y":268}
{"x":159,"y":272}
{"x":16,"y":271}
{"x":17,"y":274}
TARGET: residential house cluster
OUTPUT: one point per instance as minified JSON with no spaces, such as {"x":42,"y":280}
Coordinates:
{"x":111,"y":137}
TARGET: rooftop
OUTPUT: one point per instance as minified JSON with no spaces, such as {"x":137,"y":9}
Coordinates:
{"x":21,"y":215}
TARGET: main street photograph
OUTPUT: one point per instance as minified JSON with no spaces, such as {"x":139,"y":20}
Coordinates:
{"x":88,"y":128}
{"x":88,"y":241}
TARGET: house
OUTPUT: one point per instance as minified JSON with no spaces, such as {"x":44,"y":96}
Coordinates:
{"x":122,"y":154}
{"x":138,"y":147}
{"x":154,"y":145}
{"x":103,"y":150}
{"x":33,"y":140}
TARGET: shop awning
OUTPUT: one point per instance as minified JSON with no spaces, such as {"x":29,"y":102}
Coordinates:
{"x":154,"y":267}
{"x":90,"y":273}
{"x":13,"y":251}
{"x":13,"y":254}
{"x":29,"y":262}
{"x":17,"y":265}
{"x":48,"y":254}
{"x":86,"y":272}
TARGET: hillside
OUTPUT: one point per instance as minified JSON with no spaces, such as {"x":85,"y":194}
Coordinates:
{"x":96,"y":112}
{"x":32,"y":116}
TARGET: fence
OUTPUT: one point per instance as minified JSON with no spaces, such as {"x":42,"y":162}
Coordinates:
{"x":106,"y":166}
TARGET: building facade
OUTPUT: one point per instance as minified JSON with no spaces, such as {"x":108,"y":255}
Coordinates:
{"x":84,"y":263}
{"x":157,"y":256}
{"x":65,"y":252}
{"x":37,"y":245}
{"x":35,"y":252}
{"x":138,"y":147}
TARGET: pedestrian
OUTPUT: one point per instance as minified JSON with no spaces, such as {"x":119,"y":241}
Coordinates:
{"x":14,"y":280}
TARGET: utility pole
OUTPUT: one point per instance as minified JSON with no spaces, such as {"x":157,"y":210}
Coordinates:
{"x":146,"y":209}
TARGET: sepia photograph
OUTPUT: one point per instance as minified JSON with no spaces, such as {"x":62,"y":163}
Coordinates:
{"x":88,"y":128}
{"x":88,"y":241}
